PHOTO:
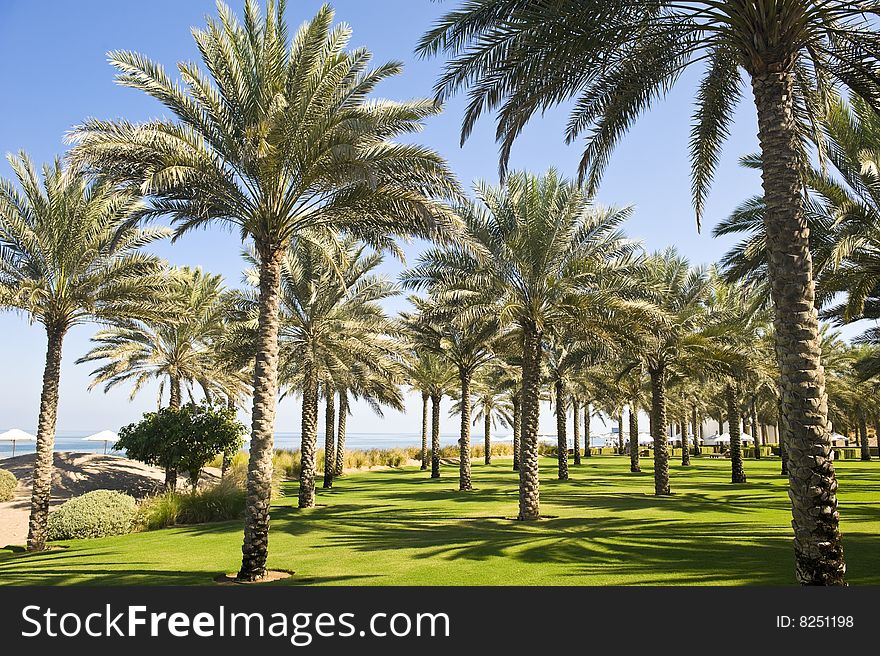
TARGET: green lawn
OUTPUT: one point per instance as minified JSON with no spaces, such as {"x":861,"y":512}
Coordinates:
{"x":400,"y":527}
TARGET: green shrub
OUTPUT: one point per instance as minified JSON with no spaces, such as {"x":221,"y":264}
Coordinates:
{"x":8,"y":483}
{"x":222,"y":502}
{"x":93,"y":515}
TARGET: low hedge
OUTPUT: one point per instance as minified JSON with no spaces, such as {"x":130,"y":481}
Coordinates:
{"x":8,"y":483}
{"x":95,"y":514}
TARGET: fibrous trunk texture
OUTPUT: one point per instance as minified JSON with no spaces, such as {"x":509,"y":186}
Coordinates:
{"x":812,"y":482}
{"x":685,"y":445}
{"x":561,"y":431}
{"x":425,"y":399}
{"x":753,"y":416}
{"x":658,"y":425}
{"x":587,"y":448}
{"x":487,"y":435}
{"x":517,"y":429}
{"x":529,"y":494}
{"x":329,"y":435}
{"x":464,"y":442}
{"x":340,"y":436}
{"x":576,"y":428}
{"x":696,"y":430}
{"x":41,"y":491}
{"x":435,"y":436}
{"x":634,"y":438}
{"x":863,"y":436}
{"x":309,"y":447}
{"x":737,"y":473}
{"x":255,"y":548}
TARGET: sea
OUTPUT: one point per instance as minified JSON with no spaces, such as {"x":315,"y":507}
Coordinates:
{"x":74,"y":441}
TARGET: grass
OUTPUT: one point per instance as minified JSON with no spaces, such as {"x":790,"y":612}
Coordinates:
{"x":399,"y":527}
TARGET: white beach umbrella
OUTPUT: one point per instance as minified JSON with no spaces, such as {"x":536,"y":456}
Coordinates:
{"x":724,"y":438}
{"x":104,"y":436}
{"x":16,"y":435}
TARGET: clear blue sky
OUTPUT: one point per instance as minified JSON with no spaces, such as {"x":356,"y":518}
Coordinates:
{"x":54,"y":70}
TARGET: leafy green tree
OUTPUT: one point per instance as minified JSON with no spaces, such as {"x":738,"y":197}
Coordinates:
{"x":69,"y":255}
{"x":278,"y":138}
{"x":183,"y":439}
{"x":616,"y":58}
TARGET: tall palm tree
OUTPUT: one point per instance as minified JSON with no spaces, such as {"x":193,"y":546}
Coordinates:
{"x":616,"y":58}
{"x":671,"y":338}
{"x":538,"y":255}
{"x":434,"y":377}
{"x":180,"y":353}
{"x":69,"y":255}
{"x":466,"y":344}
{"x":494,"y":406}
{"x":376,"y":383}
{"x":331,"y":321}
{"x":278,"y":137}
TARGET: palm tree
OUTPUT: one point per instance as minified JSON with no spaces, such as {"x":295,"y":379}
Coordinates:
{"x":279,"y":137}
{"x":739,"y":318}
{"x":493,"y":403}
{"x":69,"y":255}
{"x":671,"y":339}
{"x":180,"y":354}
{"x":331,"y":321}
{"x":433,"y":376}
{"x":616,"y":58}
{"x":468,"y":345}
{"x":376,"y":383}
{"x":539,"y":255}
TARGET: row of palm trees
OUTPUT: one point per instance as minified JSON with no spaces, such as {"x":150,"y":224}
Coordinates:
{"x":277,"y":137}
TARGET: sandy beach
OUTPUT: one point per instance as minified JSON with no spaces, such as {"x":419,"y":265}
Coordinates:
{"x":75,"y":474}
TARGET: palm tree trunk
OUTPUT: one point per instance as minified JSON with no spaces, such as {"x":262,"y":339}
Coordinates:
{"x":576,"y":428}
{"x":529,"y":485}
{"x":309,"y":437}
{"x":227,"y":455}
{"x":634,"y":438}
{"x":658,"y":425}
{"x":738,"y":474}
{"x":877,"y":435}
{"x":587,"y":448}
{"x":812,"y":482}
{"x":340,"y":436}
{"x":255,"y":548}
{"x":696,"y":430}
{"x":517,"y":430}
{"x":753,"y":415}
{"x":763,"y":434}
{"x":487,"y":435}
{"x":329,"y":430}
{"x":620,"y":449}
{"x":561,"y":431}
{"x":425,"y":398}
{"x":464,"y":442}
{"x":435,"y":436}
{"x":685,"y":445}
{"x":41,"y":492}
{"x":173,"y":403}
{"x":863,"y":436}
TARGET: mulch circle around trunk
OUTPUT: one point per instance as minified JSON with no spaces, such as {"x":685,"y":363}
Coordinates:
{"x":271,"y":576}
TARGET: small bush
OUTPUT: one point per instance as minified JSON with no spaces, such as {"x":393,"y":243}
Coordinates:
{"x":222,"y":502}
{"x":8,"y":483}
{"x":95,"y":514}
